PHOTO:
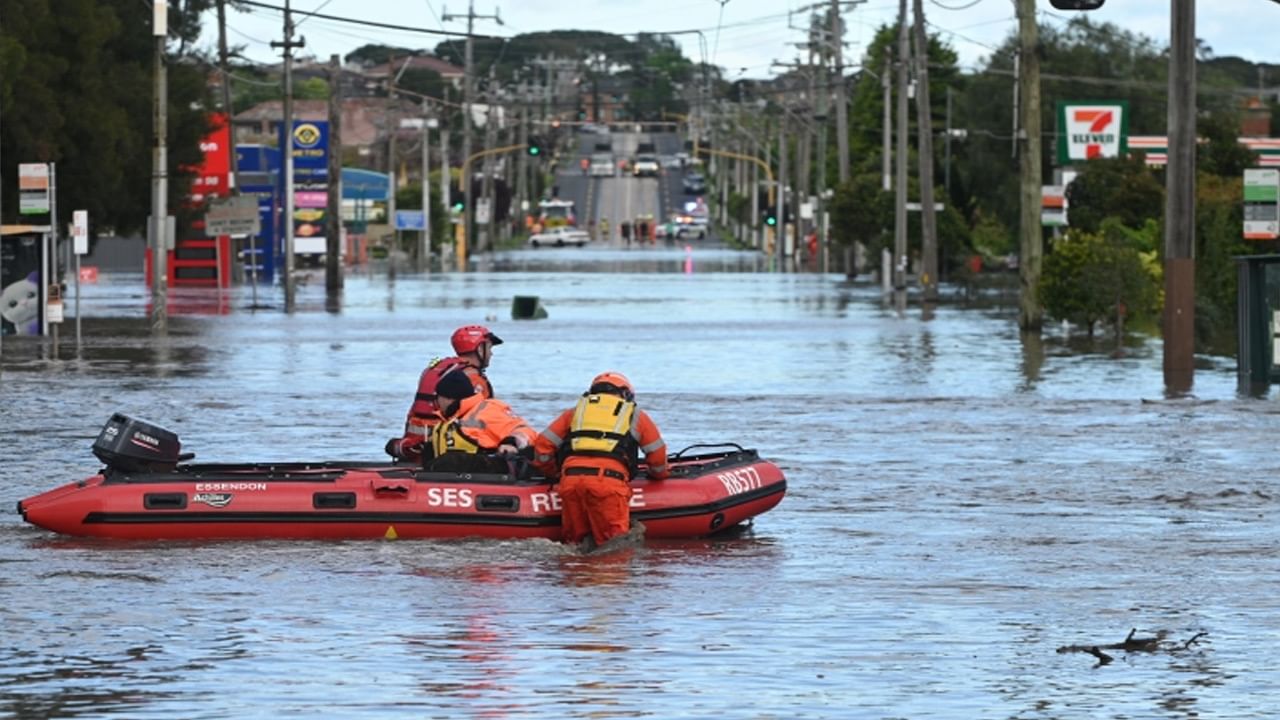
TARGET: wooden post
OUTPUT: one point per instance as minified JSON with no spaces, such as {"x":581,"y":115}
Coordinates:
{"x":1180,"y":205}
{"x":1030,"y":314}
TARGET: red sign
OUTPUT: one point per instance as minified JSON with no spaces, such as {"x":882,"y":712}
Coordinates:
{"x":89,"y":274}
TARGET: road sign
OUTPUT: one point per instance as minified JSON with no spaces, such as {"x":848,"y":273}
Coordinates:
{"x":236,"y":215}
{"x":410,"y":220}
{"x":80,"y":231}
{"x":1261,"y":203}
{"x":33,"y":188}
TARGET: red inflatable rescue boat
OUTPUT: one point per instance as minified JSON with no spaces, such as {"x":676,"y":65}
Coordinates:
{"x":148,"y":491}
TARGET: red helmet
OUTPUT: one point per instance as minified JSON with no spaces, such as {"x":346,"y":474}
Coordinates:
{"x":610,"y":379}
{"x":468,"y":337}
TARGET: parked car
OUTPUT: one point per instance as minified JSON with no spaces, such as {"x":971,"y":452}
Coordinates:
{"x":559,"y":237}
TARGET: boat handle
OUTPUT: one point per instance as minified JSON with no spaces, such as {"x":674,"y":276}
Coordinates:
{"x":395,"y":489}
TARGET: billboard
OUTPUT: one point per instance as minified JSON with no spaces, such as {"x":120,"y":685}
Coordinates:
{"x":21,"y":292}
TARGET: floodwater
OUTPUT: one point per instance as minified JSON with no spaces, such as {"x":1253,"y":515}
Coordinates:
{"x":961,"y":504}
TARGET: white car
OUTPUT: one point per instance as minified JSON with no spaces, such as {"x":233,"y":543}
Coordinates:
{"x":559,"y":237}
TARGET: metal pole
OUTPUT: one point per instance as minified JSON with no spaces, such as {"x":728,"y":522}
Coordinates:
{"x":160,"y":177}
{"x":54,"y":277}
{"x":237,"y":264}
{"x":445,"y":200}
{"x":1180,"y":208}
{"x":425,"y":250}
{"x":782,"y":187}
{"x":333,"y":236}
{"x":286,"y":148}
{"x":900,"y":198}
{"x":886,"y":156}
{"x":947,"y":142}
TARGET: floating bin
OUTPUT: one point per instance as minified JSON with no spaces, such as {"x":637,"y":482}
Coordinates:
{"x":527,"y":307}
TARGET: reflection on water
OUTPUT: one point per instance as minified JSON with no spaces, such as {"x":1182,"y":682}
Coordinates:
{"x":963,"y":499}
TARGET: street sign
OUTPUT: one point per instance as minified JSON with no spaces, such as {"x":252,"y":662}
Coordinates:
{"x":410,"y":220}
{"x":33,"y":188}
{"x":237,"y":215}
{"x":80,"y":231}
{"x":482,"y":211}
{"x":1261,"y":203}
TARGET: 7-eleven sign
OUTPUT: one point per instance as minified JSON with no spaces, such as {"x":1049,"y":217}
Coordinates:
{"x":1092,"y":130}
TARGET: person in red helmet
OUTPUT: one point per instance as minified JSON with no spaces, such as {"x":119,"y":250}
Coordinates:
{"x":474,"y":347}
{"x":594,"y":448}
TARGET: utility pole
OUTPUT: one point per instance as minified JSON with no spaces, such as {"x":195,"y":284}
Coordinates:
{"x":900,"y":199}
{"x":333,"y":230}
{"x":1030,"y":314}
{"x":159,"y":177}
{"x":1180,"y":207}
{"x":468,"y":97}
{"x":924,"y":121}
{"x":286,"y":149}
{"x":842,"y":100}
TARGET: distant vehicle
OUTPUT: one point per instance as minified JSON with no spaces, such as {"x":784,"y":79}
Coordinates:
{"x":694,"y":184}
{"x":645,"y":166}
{"x":559,"y":237}
{"x":556,"y":213}
{"x":669,"y":162}
{"x":646,"y":148}
{"x":604,"y":146}
{"x":602,"y":165}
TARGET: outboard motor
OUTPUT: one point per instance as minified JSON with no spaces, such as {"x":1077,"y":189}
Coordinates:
{"x":136,"y":446}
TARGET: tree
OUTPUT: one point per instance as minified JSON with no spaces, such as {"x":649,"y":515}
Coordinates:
{"x":1121,"y":188}
{"x":1104,"y":276}
{"x":76,"y":83}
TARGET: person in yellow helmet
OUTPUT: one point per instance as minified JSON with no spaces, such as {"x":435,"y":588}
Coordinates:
{"x":594,"y":448}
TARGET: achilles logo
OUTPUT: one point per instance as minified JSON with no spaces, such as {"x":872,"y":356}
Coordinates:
{"x":213,"y":499}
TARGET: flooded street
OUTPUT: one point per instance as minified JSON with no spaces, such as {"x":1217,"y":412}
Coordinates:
{"x":961,"y":503}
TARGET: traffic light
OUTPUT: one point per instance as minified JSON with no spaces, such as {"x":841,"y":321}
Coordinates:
{"x":771,"y":217}
{"x":535,"y":147}
{"x":459,"y":205}
{"x":1077,"y":4}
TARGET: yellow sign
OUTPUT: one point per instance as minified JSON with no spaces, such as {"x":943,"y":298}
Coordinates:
{"x":306,"y":135}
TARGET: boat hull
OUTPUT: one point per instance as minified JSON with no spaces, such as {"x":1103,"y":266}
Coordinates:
{"x":708,"y":494}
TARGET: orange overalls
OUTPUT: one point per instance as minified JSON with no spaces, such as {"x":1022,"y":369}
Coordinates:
{"x":598,"y":440}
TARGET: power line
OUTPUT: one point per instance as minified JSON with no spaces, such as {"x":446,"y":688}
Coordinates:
{"x":371,"y":23}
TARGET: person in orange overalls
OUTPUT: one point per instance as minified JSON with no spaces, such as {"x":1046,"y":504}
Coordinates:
{"x":595,"y":447}
{"x":475,"y":433}
{"x":474,"y":347}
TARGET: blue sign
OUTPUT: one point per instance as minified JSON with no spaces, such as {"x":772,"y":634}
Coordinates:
{"x":410,"y":220}
{"x":360,"y":184}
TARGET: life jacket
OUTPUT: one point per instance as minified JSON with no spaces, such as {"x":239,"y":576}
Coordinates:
{"x":448,"y":437}
{"x":601,"y":427}
{"x":455,"y":451}
{"x":424,"y":412}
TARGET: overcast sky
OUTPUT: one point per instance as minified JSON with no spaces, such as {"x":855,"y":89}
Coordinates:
{"x":746,"y":37}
